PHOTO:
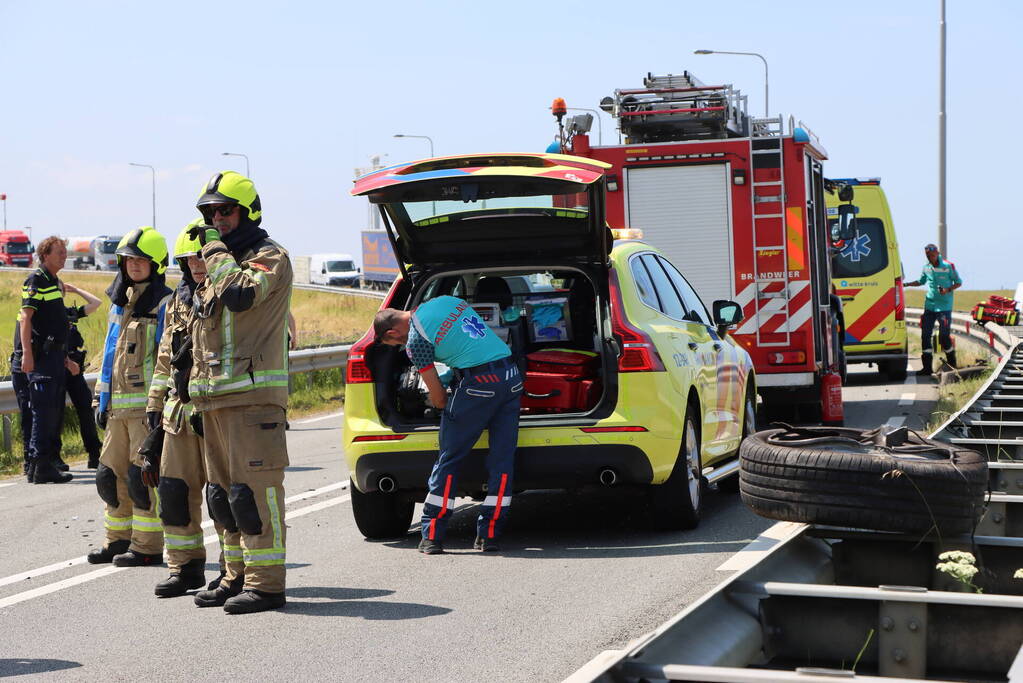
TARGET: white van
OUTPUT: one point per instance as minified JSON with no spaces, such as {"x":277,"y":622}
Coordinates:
{"x":334,"y":269}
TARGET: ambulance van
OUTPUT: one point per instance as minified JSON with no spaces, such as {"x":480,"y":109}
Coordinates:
{"x":867,"y":275}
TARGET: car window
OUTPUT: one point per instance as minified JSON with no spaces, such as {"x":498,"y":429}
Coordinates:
{"x":644,"y":285}
{"x":693,"y":303}
{"x":671,"y":305}
{"x":866,"y":253}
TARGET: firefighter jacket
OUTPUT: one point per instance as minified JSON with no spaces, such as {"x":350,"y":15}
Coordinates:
{"x":240,"y":327}
{"x":163,"y":397}
{"x":129,"y":356}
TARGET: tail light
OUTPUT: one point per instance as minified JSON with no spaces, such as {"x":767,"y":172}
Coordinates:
{"x":380,"y":437}
{"x":638,"y":351}
{"x":787,"y":358}
{"x":356,"y":369}
{"x":900,"y":300}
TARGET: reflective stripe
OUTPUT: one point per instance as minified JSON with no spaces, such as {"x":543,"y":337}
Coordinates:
{"x":437,"y":501}
{"x":160,"y":380}
{"x":143,"y":523}
{"x":261,"y":279}
{"x":274,"y":555}
{"x":117,"y":523}
{"x":232,"y":552}
{"x":173,"y":541}
{"x":223,"y":270}
{"x":491,"y":501}
{"x":227,"y":351}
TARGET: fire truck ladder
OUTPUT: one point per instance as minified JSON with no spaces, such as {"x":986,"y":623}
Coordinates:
{"x":767,"y":145}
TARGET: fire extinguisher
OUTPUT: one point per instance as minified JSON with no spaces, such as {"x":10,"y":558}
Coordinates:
{"x":831,"y":399}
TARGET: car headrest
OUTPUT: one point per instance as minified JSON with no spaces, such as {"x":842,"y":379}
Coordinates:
{"x":493,"y":290}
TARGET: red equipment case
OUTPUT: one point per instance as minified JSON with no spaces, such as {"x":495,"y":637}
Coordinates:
{"x":548,"y":392}
{"x":568,"y":362}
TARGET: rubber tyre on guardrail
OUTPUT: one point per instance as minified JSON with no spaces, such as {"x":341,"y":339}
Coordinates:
{"x":381,"y":515}
{"x":898,"y":481}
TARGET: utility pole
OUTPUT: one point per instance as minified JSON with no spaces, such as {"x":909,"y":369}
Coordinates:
{"x":942,"y":121}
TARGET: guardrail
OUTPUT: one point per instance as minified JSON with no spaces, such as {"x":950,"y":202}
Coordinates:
{"x":994,"y":336}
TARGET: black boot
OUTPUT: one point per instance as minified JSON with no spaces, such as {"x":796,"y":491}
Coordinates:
{"x":29,"y":469}
{"x":58,"y":462}
{"x":215,"y":583}
{"x":46,"y":473}
{"x":950,"y":358}
{"x":221,"y":594}
{"x":133,"y":558}
{"x":191,"y":575}
{"x":927,"y":360}
{"x":250,"y":601}
{"x":106,"y":554}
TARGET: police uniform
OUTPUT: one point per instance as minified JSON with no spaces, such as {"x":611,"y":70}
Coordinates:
{"x":21,"y":392}
{"x":77,"y":389}
{"x":938,"y":309}
{"x":487,"y":395}
{"x":42,"y":293}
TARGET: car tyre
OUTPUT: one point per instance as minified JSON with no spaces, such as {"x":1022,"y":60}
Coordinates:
{"x":677,"y":503}
{"x":901,"y":482}
{"x":749,"y":428}
{"x":895,"y":370}
{"x":381,"y":515}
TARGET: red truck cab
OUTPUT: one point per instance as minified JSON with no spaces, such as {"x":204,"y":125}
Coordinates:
{"x":15,"y":249}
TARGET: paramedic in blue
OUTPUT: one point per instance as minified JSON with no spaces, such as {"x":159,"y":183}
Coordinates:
{"x":941,"y":279}
{"x":486,"y":395}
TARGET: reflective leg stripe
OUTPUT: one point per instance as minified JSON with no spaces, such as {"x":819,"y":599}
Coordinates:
{"x":437,"y":501}
{"x":232,"y":553}
{"x":447,"y":496}
{"x":176,"y":542}
{"x":143,"y":523}
{"x":433,"y":528}
{"x":495,"y":501}
{"x":266,"y":557}
{"x":498,"y":505}
{"x":117,"y":523}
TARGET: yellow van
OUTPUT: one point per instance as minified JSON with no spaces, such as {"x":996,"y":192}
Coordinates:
{"x":867,"y":275}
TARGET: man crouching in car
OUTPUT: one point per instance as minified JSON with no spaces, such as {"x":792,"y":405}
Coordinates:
{"x":486,"y":395}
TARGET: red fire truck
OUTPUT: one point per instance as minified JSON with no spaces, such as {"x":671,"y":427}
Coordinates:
{"x":737,"y":203}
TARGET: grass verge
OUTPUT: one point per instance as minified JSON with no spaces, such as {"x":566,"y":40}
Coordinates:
{"x":965,"y":299}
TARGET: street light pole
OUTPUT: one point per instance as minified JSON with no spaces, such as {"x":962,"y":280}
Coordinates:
{"x":767,"y":107}
{"x":236,"y":154}
{"x":3,"y":198}
{"x":153,"y":171}
{"x":942,"y":119}
{"x":433,"y":205}
{"x":600,"y":128}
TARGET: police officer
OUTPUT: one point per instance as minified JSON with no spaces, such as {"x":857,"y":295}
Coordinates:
{"x":941,"y":279}
{"x":179,"y":463}
{"x":240,"y":384}
{"x":138,"y":296}
{"x":43,"y":332}
{"x":75,"y":386}
{"x":487,"y":396}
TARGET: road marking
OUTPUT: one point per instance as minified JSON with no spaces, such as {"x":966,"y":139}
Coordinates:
{"x":56,"y":567}
{"x":907,"y":399}
{"x":320,"y":418}
{"x":11,"y":484}
{"x":761,"y":545}
{"x":106,"y":571}
{"x":896,"y":421}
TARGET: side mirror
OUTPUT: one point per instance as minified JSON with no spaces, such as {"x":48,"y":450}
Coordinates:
{"x":726,"y":313}
{"x":359,"y":269}
{"x":323,"y":270}
{"x":845,"y":193}
{"x":845,"y":227}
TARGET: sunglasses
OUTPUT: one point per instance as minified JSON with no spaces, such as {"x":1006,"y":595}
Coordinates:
{"x":223,"y":209}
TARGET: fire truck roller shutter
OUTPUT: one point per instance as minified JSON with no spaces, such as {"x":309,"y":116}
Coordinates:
{"x":685,"y":211}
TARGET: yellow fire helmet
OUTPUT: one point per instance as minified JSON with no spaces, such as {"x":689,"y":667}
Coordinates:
{"x":144,"y":242}
{"x":229,"y":187}
{"x":185,"y":246}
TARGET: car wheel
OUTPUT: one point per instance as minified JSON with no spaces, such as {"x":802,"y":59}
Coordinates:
{"x":381,"y":515}
{"x":676,"y":504}
{"x":866,"y":479}
{"x":895,"y":370}
{"x":749,"y":428}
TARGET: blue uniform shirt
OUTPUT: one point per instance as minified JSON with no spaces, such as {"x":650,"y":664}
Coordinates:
{"x":941,"y":275}
{"x":448,"y":330}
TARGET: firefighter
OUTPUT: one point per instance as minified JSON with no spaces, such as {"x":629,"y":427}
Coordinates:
{"x":75,"y":386}
{"x":487,"y":396}
{"x":240,"y":384}
{"x":172,"y":457}
{"x":138,"y":297}
{"x":941,"y":279}
{"x":43,"y":332}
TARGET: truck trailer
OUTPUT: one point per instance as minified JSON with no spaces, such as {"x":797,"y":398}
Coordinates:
{"x":379,"y":266}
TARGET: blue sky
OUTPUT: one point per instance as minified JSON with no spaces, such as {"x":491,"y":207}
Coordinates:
{"x":309,"y":91}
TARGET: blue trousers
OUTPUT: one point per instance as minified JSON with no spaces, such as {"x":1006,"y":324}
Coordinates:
{"x":944,"y":320}
{"x":46,"y":395}
{"x":23,"y":394}
{"x":486,"y":397}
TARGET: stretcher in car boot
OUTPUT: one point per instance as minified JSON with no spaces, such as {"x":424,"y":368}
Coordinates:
{"x":568,"y":362}
{"x":558,"y":393}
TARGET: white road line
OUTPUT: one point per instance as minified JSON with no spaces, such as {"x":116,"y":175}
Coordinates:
{"x":11,"y":484}
{"x":907,"y":399}
{"x":895,"y":421}
{"x":105,"y":571}
{"x":318,"y":419}
{"x":760,"y":546}
{"x":56,"y":567}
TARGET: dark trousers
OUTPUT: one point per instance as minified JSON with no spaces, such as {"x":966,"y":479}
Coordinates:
{"x":23,"y":394}
{"x":77,"y":389}
{"x":486,"y":397}
{"x":944,"y":321}
{"x":46,"y":394}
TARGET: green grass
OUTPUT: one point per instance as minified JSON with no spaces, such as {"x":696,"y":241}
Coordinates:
{"x":965,"y":299}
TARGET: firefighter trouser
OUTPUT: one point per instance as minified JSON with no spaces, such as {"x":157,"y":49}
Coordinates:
{"x":944,"y":321}
{"x":46,"y":393}
{"x":246,"y":453}
{"x":182,"y":478}
{"x":131,"y":505}
{"x":487,"y":397}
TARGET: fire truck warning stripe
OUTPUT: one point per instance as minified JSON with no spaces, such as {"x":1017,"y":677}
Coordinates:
{"x":872,"y":317}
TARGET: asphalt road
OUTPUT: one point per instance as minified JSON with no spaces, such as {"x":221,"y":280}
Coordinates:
{"x":580,"y":574}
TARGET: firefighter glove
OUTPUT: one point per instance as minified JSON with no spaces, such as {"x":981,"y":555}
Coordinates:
{"x":152,"y":419}
{"x":151,"y":451}
{"x":182,"y":364}
{"x":101,"y":418}
{"x":204,"y":233}
{"x":195,"y":420}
